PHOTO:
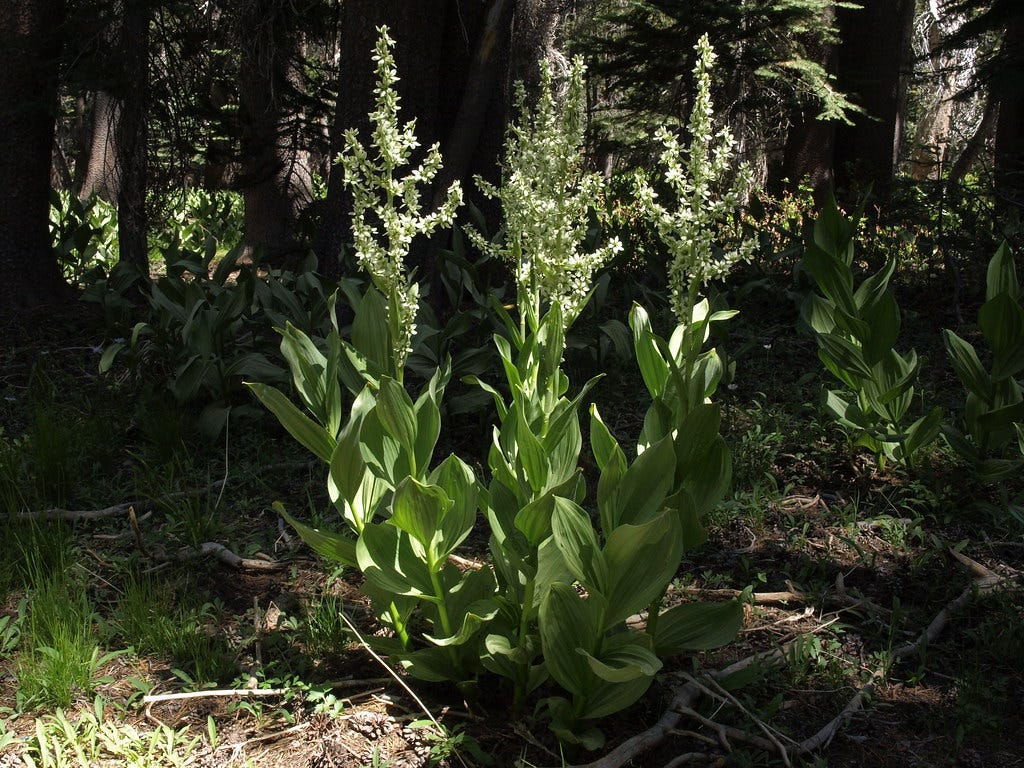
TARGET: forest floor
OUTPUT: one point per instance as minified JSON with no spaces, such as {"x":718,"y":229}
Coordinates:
{"x":849,"y":571}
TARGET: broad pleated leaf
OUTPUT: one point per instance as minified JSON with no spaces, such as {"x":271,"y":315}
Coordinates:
{"x":697,"y":627}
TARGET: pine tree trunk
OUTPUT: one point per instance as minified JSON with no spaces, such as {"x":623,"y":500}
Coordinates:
{"x":873,"y":65}
{"x":131,"y":137}
{"x":275,"y":181}
{"x":29,"y":49}
{"x":101,"y":177}
{"x":1009,"y":141}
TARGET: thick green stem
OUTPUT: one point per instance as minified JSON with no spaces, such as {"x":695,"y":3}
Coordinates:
{"x":653,"y":613}
{"x":442,"y":610}
{"x":523,"y":681}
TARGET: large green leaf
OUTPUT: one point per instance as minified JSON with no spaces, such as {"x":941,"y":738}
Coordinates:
{"x":347,"y":465}
{"x":418,"y":509}
{"x":386,"y":557}
{"x":397,"y":415}
{"x":923,"y":431}
{"x":833,"y":232}
{"x":641,"y":561}
{"x":534,"y":519}
{"x":458,"y":481}
{"x":818,"y":313}
{"x":883,"y":317}
{"x":834,"y":278}
{"x":1002,"y":322}
{"x":845,"y":353}
{"x":628,"y":659}
{"x":370,"y":333}
{"x":568,"y":624}
{"x":308,"y":366}
{"x":697,"y":627}
{"x":532,"y":457}
{"x":968,"y":367}
{"x":602,"y":443}
{"x":642,"y":488}
{"x":428,"y":414}
{"x":575,"y":537}
{"x":301,"y":427}
{"x":872,"y":289}
{"x":333,"y":546}
{"x":709,"y":481}
{"x":653,"y":367}
{"x":609,"y":698}
{"x":1002,"y":275}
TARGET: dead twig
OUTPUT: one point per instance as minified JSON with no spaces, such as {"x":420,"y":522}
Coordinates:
{"x":225,"y":555}
{"x":154,"y":698}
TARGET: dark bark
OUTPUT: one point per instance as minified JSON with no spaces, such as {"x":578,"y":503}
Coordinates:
{"x":873,"y":65}
{"x":1009,"y":139}
{"x":30,"y":44}
{"x":100,"y":176}
{"x":131,"y":137}
{"x":810,"y":143}
{"x":275,"y":179}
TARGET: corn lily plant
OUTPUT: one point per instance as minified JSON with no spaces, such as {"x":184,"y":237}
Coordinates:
{"x":993,"y":411}
{"x":522,"y":617}
{"x":856,"y":331}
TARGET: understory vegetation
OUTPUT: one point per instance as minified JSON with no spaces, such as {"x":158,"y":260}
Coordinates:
{"x":703,"y":478}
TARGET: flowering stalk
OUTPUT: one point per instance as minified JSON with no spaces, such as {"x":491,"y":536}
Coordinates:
{"x":387,"y":211}
{"x":703,"y":216}
{"x":546,"y":198}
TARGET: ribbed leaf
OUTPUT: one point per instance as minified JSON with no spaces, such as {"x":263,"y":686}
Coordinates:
{"x":301,"y":427}
{"x":697,"y":627}
{"x":334,"y":546}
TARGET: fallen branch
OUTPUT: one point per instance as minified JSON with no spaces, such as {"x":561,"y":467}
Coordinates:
{"x":685,"y":696}
{"x":228,"y":557}
{"x":154,"y":698}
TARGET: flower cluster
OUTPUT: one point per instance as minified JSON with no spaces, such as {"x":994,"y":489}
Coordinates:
{"x":546,"y":198}
{"x":387,"y":211}
{"x":704,"y":216}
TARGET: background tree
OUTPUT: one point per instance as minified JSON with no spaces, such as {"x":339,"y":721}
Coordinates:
{"x":874,"y":65}
{"x":275,"y":179}
{"x":30,"y":44}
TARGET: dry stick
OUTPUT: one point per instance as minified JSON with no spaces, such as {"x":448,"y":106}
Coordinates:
{"x":225,"y":555}
{"x":723,"y":695}
{"x":245,"y":692}
{"x":823,"y":737}
{"x":265,"y":737}
{"x":400,"y":681}
{"x":689,"y":757}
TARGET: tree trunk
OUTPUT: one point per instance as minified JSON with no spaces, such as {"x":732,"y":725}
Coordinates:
{"x":810,"y":143}
{"x":275,"y":181}
{"x":131,"y":137}
{"x":874,"y":64}
{"x":931,"y":137}
{"x":1009,"y":141}
{"x":30,"y":43}
{"x":101,"y":177}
